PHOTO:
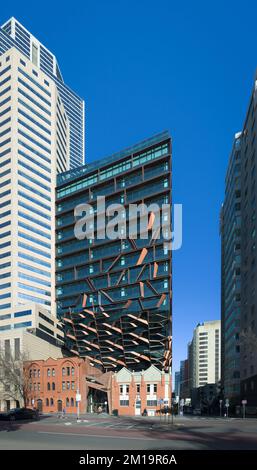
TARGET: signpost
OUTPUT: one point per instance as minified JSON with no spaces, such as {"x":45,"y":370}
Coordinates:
{"x":244,"y":402}
{"x":160,"y":403}
{"x":78,"y":400}
{"x":182,"y":403}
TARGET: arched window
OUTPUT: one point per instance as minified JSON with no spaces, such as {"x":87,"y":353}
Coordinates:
{"x":47,"y":401}
{"x":53,"y":386}
{"x":48,"y":386}
{"x":72,"y":402}
{"x":67,"y":402}
{"x":48,"y":372}
{"x":72,"y":371}
{"x":51,"y":401}
{"x":53,"y":372}
{"x":63,"y":371}
{"x":38,"y":373}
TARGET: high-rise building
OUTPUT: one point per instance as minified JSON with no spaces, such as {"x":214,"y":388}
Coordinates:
{"x":248,"y":317}
{"x":37,"y":115}
{"x":32,"y":150}
{"x":114,"y":295}
{"x":205,"y":352}
{"x":230,"y":230}
{"x":177,"y":384}
{"x":13,"y":34}
{"x":184,"y":380}
{"x":239,"y":239}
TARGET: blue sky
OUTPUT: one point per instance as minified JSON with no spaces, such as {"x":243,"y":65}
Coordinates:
{"x":143,"y":66}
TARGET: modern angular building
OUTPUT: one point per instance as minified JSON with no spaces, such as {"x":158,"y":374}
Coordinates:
{"x":13,"y":34}
{"x":230,"y":230}
{"x":114,"y":295}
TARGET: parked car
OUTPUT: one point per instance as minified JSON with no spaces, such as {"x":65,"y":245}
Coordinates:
{"x":19,"y":413}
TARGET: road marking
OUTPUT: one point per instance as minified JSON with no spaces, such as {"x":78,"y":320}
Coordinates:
{"x":97,"y":435}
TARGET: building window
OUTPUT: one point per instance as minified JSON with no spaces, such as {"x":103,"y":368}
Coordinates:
{"x":127,"y":388}
{"x":38,"y":373}
{"x":67,"y":402}
{"x":72,"y":371}
{"x":151,"y":403}
{"x":47,"y":401}
{"x":17,"y":349}
{"x":53,"y":386}
{"x":72,"y":402}
{"x":155,"y":388}
{"x":34,"y":54}
{"x":7,"y":350}
{"x":51,"y":401}
{"x":138,"y":388}
{"x":63,"y":371}
{"x":63,"y":385}
{"x":48,"y":372}
{"x":68,"y":385}
{"x":53,"y":372}
{"x":121,"y":389}
{"x":48,"y":386}
{"x":124,"y":402}
{"x":148,"y":388}
{"x":68,"y":370}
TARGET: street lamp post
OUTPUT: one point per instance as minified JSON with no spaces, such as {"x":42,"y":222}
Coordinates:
{"x":221,"y":401}
{"x":78,"y":396}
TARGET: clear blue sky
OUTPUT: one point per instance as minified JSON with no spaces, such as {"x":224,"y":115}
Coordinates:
{"x":143,"y":66}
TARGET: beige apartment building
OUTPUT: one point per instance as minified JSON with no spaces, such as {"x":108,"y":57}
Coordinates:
{"x":204,"y":360}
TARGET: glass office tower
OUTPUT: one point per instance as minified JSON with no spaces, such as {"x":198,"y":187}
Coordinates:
{"x":114,"y":296}
{"x":13,"y":34}
{"x":230,"y":229}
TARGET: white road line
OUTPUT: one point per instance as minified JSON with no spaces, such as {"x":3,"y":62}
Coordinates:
{"x":97,"y":435}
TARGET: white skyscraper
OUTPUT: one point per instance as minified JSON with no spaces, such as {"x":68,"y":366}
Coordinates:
{"x":34,"y":143}
{"x":205,"y":358}
{"x":41,"y":135}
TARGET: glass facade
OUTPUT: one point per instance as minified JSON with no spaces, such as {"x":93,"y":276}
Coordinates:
{"x":231,"y":276}
{"x":114,"y":296}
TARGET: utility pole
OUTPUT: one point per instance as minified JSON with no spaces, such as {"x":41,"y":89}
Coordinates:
{"x":78,"y":396}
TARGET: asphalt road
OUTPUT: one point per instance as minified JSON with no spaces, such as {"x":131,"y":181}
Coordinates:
{"x":110,"y":433}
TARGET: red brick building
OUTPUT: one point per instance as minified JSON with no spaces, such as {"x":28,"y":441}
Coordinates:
{"x":134,"y":392}
{"x":54,"y":384}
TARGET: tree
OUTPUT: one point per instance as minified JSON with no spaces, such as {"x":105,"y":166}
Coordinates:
{"x":14,"y":376}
